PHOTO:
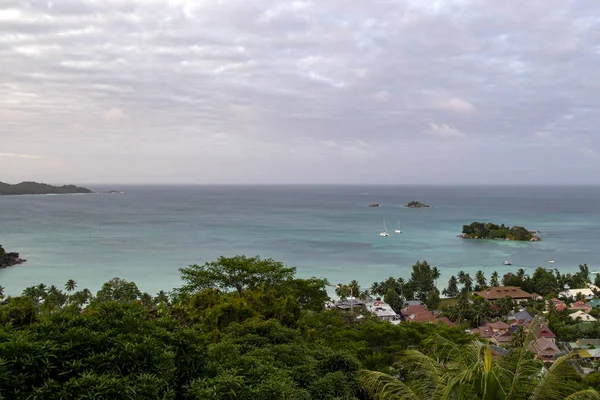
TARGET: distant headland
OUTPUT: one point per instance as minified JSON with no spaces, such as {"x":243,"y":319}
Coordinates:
{"x":39,"y":188}
{"x":416,"y":204}
{"x":9,"y":259}
{"x":481,"y":230}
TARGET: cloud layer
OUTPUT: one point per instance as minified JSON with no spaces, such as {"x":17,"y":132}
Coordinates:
{"x":300,"y":91}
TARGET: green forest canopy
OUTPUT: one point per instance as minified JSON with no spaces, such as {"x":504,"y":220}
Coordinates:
{"x":488,"y":230}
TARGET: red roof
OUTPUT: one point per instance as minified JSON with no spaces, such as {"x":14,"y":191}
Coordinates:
{"x":495,"y":293}
{"x":418,"y":313}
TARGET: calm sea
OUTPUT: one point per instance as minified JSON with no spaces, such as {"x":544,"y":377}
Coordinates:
{"x":146,"y":233}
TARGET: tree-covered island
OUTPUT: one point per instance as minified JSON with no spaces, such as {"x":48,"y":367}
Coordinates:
{"x":488,"y":230}
{"x":416,"y":204}
{"x":39,"y":188}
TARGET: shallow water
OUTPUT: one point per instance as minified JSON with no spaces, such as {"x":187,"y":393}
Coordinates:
{"x":146,"y":233}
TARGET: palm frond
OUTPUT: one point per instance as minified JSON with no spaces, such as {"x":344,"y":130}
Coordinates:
{"x":382,"y":386}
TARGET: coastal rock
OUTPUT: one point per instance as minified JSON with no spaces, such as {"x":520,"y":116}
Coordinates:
{"x":9,"y":259}
{"x":416,"y":204}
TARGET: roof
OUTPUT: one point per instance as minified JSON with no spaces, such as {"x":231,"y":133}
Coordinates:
{"x":583,"y":315}
{"x":418,"y":313}
{"x":574,"y":292}
{"x":542,"y":330}
{"x":381,"y":309}
{"x":499,"y":325}
{"x":495,"y":293}
{"x":543,"y":346}
{"x":585,"y":343}
{"x":594,"y":303}
{"x":579,"y":303}
{"x":588,"y":353}
{"x":521,"y":316}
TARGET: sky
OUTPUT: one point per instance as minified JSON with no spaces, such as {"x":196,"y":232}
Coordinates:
{"x":327,"y":91}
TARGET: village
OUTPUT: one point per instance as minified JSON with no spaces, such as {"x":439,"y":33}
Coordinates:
{"x":549,"y":326}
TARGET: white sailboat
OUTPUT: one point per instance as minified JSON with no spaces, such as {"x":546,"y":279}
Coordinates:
{"x":398,"y":230}
{"x":384,"y":232}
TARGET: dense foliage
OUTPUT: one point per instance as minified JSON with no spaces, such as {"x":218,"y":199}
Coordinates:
{"x":487,"y":230}
{"x":239,"y":328}
{"x":39,"y":188}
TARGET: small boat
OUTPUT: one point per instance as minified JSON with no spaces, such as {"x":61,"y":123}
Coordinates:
{"x":374,"y":205}
{"x":384,"y":232}
{"x":398,"y":230}
{"x":507,"y":262}
{"x":550,"y":261}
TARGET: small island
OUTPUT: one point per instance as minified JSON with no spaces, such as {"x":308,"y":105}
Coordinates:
{"x":415,"y":204}
{"x":39,"y":188}
{"x":486,"y":230}
{"x":9,"y":259}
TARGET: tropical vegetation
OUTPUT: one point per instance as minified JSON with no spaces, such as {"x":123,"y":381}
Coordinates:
{"x":248,"y":328}
{"x":488,"y":230}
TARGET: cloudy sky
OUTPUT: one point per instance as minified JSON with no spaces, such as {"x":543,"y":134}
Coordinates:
{"x":326,"y":91}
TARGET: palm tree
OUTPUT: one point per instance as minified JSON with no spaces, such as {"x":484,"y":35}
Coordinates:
{"x":584,"y":271}
{"x":466,"y":281}
{"x":1,"y":292}
{"x":506,"y":305}
{"x":70,"y":285}
{"x":521,"y":273}
{"x":480,"y":312}
{"x":435,"y":274}
{"x":461,"y":372}
{"x":494,"y":280}
{"x":480,"y":279}
{"x":452,"y":288}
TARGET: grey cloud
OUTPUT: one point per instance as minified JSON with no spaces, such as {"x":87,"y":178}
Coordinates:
{"x":332,"y":87}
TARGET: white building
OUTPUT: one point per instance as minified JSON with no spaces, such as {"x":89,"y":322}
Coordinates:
{"x":585,"y":317}
{"x":588,"y":293}
{"x":383,"y":311}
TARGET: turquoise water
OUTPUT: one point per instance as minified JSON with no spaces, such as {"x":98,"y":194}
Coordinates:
{"x":146,"y":233}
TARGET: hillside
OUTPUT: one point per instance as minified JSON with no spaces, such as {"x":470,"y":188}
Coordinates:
{"x":39,"y":188}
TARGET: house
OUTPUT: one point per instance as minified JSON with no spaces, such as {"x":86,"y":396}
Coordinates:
{"x":587,"y":293}
{"x":420,"y":313}
{"x":585,"y":344}
{"x":520,"y":318}
{"x":580,"y":305}
{"x":594,"y":303}
{"x":589,"y":353}
{"x":502,"y":338}
{"x":585,"y":317}
{"x":516,"y":293}
{"x":349,"y":304}
{"x":498,"y":332}
{"x":540,"y":329}
{"x":544,"y":349}
{"x":559,"y":305}
{"x":383,"y":311}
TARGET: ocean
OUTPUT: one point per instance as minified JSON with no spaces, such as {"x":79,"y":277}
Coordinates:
{"x":147,"y":232}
